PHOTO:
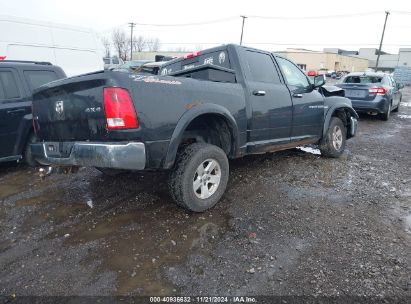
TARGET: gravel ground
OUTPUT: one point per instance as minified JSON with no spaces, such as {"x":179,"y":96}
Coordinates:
{"x":290,"y":223}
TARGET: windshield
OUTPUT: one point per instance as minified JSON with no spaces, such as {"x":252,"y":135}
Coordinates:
{"x":363,"y":79}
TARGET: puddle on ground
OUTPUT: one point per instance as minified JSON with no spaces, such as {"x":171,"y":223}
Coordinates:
{"x":139,"y":245}
{"x":45,"y":197}
{"x":138,"y":232}
{"x":404,"y":116}
{"x":310,"y":150}
{"x":405,"y":104}
{"x":17,"y":182}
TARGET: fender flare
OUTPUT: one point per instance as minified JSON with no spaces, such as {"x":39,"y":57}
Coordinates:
{"x":187,"y":118}
{"x":331,"y":111}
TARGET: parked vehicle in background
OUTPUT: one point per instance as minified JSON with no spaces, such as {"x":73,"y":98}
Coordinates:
{"x":322,"y":72}
{"x":112,"y":62}
{"x":18,"y":79}
{"x":372,"y":93}
{"x":312,"y":73}
{"x":220,"y":103}
{"x":331,"y":74}
{"x":75,"y":50}
{"x":339,"y":75}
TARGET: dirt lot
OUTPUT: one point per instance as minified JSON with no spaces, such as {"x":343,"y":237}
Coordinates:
{"x":290,"y":223}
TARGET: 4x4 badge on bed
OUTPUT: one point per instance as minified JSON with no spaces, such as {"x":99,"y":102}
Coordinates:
{"x":59,"y":107}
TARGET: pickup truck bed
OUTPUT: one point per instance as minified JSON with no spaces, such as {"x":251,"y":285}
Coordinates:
{"x":200,"y":111}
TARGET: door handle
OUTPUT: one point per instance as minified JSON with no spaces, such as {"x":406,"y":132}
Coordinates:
{"x":16,"y":111}
{"x":297,"y":95}
{"x":258,"y":93}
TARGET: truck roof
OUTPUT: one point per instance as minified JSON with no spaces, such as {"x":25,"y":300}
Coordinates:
{"x":24,"y":62}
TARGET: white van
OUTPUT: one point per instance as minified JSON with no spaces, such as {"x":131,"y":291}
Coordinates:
{"x":75,"y":50}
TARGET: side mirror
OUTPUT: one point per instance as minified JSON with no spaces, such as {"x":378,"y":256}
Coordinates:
{"x":319,"y":81}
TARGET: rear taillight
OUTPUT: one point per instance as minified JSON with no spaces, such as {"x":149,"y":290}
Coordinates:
{"x":3,"y":57}
{"x":192,"y":55}
{"x":377,"y":91}
{"x":119,"y":108}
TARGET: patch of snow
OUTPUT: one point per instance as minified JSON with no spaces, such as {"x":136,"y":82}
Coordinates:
{"x":90,"y":203}
{"x":310,"y":150}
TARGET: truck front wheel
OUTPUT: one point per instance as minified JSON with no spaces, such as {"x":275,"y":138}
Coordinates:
{"x":333,"y":142}
{"x":199,"y":177}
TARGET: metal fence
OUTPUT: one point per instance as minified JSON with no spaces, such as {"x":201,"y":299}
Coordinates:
{"x":403,"y":75}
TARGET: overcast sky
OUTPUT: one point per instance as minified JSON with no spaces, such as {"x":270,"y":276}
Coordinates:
{"x":269,"y":34}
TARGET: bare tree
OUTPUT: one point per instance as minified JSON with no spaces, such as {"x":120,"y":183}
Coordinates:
{"x":107,"y":46}
{"x":139,"y":43}
{"x":121,"y":43}
{"x":153,"y":44}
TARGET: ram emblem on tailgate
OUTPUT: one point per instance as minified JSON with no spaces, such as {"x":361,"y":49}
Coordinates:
{"x":59,"y":107}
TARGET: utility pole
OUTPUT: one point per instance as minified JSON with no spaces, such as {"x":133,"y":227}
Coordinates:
{"x":242,"y":29}
{"x":382,"y":38}
{"x":131,"y":25}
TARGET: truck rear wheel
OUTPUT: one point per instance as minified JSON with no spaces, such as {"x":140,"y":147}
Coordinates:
{"x":333,"y":142}
{"x":199,"y":177}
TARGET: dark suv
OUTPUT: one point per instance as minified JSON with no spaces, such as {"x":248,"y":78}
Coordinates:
{"x":18,"y":79}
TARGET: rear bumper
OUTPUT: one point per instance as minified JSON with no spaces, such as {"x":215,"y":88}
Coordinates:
{"x":129,"y":155}
{"x":379,"y":106}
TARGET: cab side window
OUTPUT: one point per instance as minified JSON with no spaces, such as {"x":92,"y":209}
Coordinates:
{"x":261,"y":67}
{"x":293,"y":75}
{"x":8,"y":86}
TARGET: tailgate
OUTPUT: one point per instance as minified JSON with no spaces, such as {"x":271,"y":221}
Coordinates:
{"x":71,"y":109}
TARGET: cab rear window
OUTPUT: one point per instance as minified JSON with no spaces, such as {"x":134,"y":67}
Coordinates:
{"x":37,"y":78}
{"x":8,"y":86}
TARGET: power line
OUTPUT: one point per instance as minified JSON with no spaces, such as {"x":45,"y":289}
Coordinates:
{"x":297,"y":44}
{"x":316,"y":17}
{"x":401,"y":12}
{"x":264,"y":17}
{"x":190,"y":24}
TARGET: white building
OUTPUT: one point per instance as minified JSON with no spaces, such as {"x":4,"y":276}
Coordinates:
{"x":387,"y":62}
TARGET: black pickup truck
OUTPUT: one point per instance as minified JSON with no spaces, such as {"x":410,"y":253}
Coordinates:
{"x":202,"y":110}
{"x":18,"y":79}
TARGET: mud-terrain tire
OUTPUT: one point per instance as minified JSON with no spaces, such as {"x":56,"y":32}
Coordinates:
{"x":333,"y":142}
{"x":199,"y":177}
{"x":27,"y":156}
{"x":385,"y":116}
